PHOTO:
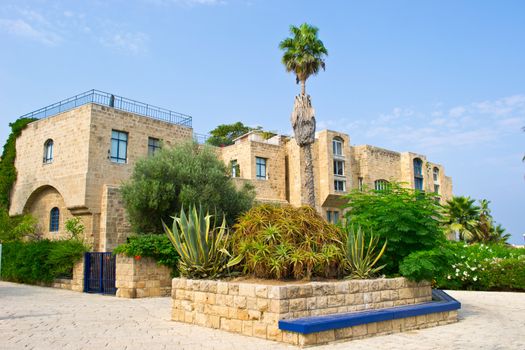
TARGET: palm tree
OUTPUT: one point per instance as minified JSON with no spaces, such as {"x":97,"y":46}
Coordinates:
{"x":462,"y":217}
{"x":304,"y":55}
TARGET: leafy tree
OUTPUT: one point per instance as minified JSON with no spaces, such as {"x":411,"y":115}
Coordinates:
{"x":186,"y":174}
{"x":410,"y":220}
{"x":17,"y":227}
{"x":224,"y":134}
{"x":7,"y":162}
{"x":304,"y":55}
{"x":462,"y":217}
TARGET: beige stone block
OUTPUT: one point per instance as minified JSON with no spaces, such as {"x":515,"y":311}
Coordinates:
{"x":233,"y":289}
{"x":343,"y":333}
{"x":342,"y":287}
{"x":251,"y":303}
{"x":246,"y":289}
{"x":325,"y":337}
{"x":254,"y":315}
{"x":273,"y":333}
{"x":385,"y":295}
{"x":336,"y":300}
{"x":293,"y":292}
{"x":239,"y":301}
{"x":307,"y":339}
{"x":259,"y":329}
{"x":358,"y":331}
{"x":452,"y":315}
{"x":371,"y":328}
{"x":201,"y":319}
{"x":222,"y":287}
{"x":188,"y":317}
{"x":262,"y":304}
{"x":397,"y":325}
{"x":322,"y":302}
{"x":271,"y":318}
{"x":384,"y":327}
{"x":261,"y":291}
{"x":277,"y":292}
{"x":221,"y":310}
{"x":290,"y":338}
{"x":322,"y":289}
{"x":368,"y":298}
{"x":298,"y":304}
{"x":421,"y":320}
{"x":311,"y":303}
{"x":247,"y":328}
{"x":406,"y":293}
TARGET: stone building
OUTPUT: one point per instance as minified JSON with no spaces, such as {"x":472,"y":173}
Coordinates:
{"x":274,"y":166}
{"x":72,"y":160}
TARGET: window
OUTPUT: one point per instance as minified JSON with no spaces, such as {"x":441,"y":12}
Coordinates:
{"x":54,"y":217}
{"x":360,"y":183}
{"x":336,"y":217}
{"x":418,"y":174}
{"x":339,"y":167}
{"x":436,"y":189}
{"x":329,"y":215}
{"x":119,"y":146}
{"x":381,"y":185}
{"x":435,"y":174}
{"x":337,"y":146}
{"x":260,"y":168}
{"x":339,"y":185}
{"x":235,"y":168}
{"x":332,"y":216}
{"x":153,"y":145}
{"x":48,"y":151}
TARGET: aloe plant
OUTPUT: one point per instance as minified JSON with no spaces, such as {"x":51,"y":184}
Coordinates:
{"x":362,"y":256}
{"x":202,"y":247}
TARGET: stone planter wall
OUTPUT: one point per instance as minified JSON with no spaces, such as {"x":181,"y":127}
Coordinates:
{"x":76,"y":283}
{"x":254,"y":309}
{"x":141,"y":278}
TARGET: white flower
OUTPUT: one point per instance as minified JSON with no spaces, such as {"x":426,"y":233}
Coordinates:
{"x":473,"y":268}
{"x":475,"y":278}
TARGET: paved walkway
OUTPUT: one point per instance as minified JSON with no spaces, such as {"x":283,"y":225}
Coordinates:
{"x":45,"y":318}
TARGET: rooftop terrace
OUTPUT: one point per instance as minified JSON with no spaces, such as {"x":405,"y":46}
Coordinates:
{"x":114,"y":101}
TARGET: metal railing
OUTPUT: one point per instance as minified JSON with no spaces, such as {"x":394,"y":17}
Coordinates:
{"x":200,"y":138}
{"x":114,"y":101}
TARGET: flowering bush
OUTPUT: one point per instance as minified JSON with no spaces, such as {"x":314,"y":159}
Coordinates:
{"x":476,"y":267}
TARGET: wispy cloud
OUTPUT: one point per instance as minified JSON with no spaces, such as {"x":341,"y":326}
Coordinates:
{"x":31,"y":25}
{"x":441,"y":128}
{"x":133,"y":42}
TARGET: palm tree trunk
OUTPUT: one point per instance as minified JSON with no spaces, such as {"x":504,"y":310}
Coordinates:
{"x":303,"y":87}
{"x":309,"y":175}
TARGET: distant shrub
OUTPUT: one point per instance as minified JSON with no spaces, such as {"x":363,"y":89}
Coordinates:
{"x":13,"y":228}
{"x":156,"y":246}
{"x":40,"y":261}
{"x":287,"y":242}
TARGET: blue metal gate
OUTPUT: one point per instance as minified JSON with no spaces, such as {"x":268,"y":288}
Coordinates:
{"x":99,"y":273}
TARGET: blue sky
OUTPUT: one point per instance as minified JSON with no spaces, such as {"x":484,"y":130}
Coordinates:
{"x":442,"y":78}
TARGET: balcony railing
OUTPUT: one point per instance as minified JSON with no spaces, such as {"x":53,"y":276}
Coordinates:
{"x":114,"y":101}
{"x":200,"y":138}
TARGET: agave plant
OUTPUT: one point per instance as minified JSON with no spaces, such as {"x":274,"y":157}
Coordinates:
{"x":202,"y":246}
{"x":362,"y":256}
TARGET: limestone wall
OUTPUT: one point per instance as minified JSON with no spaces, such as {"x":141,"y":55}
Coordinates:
{"x":76,"y":283}
{"x":254,"y":309}
{"x":141,"y":278}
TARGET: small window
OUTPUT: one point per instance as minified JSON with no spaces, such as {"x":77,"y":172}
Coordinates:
{"x":435,"y":174}
{"x":381,"y":185}
{"x":418,"y":183}
{"x":336,"y":217}
{"x":48,"y":151}
{"x":360,"y":183}
{"x":332,"y":216}
{"x":119,"y":146}
{"x":337,"y":146}
{"x":235,"y":168}
{"x":340,"y":185}
{"x":329,"y":215}
{"x":260,"y":168}
{"x":436,"y":189}
{"x":54,"y":218}
{"x":339,"y":167}
{"x":153,"y":146}
{"x":418,"y":174}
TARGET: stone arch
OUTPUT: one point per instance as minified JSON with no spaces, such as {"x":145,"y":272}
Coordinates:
{"x":40,"y":203}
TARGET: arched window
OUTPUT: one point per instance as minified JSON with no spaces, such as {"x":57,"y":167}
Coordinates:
{"x":337,"y":146}
{"x":381,"y":185}
{"x":418,"y":174}
{"x":48,"y":151}
{"x":435,"y":173}
{"x":54,"y":218}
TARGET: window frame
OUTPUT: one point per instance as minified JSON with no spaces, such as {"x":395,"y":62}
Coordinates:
{"x":235,"y":168}
{"x":49,"y":146}
{"x":152,"y":147}
{"x":343,"y":182}
{"x":260,"y":164}
{"x":360,"y":183}
{"x":418,"y":174}
{"x":54,"y":219}
{"x":119,"y":142}
{"x":337,"y":168}
{"x":381,"y":185}
{"x":337,"y":145}
{"x":435,"y":174}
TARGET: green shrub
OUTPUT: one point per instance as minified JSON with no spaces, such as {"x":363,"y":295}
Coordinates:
{"x":186,"y":174}
{"x":156,"y":246}
{"x":287,"y":242}
{"x":361,"y":253}
{"x":410,"y":220}
{"x":16,"y":227}
{"x":202,"y":246}
{"x":40,"y":261}
{"x":427,"y":264}
{"x":75,"y":228}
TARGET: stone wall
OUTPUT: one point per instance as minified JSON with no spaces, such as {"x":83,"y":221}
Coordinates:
{"x":114,"y":224}
{"x":254,"y":309}
{"x":141,"y":278}
{"x":76,"y":283}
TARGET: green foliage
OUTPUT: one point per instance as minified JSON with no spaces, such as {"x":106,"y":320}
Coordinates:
{"x":361,"y":253}
{"x":75,"y":228}
{"x":409,"y":220}
{"x":472,"y":223}
{"x":16,"y":227}
{"x":456,"y":265}
{"x":181,"y":176}
{"x":7,"y":161}
{"x":304,"y":52}
{"x":156,"y":246}
{"x":287,"y":242}
{"x":224,"y":134}
{"x":40,"y":261}
{"x":202,"y":247}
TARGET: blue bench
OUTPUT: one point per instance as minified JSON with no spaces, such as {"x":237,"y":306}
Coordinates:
{"x":441,"y":302}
